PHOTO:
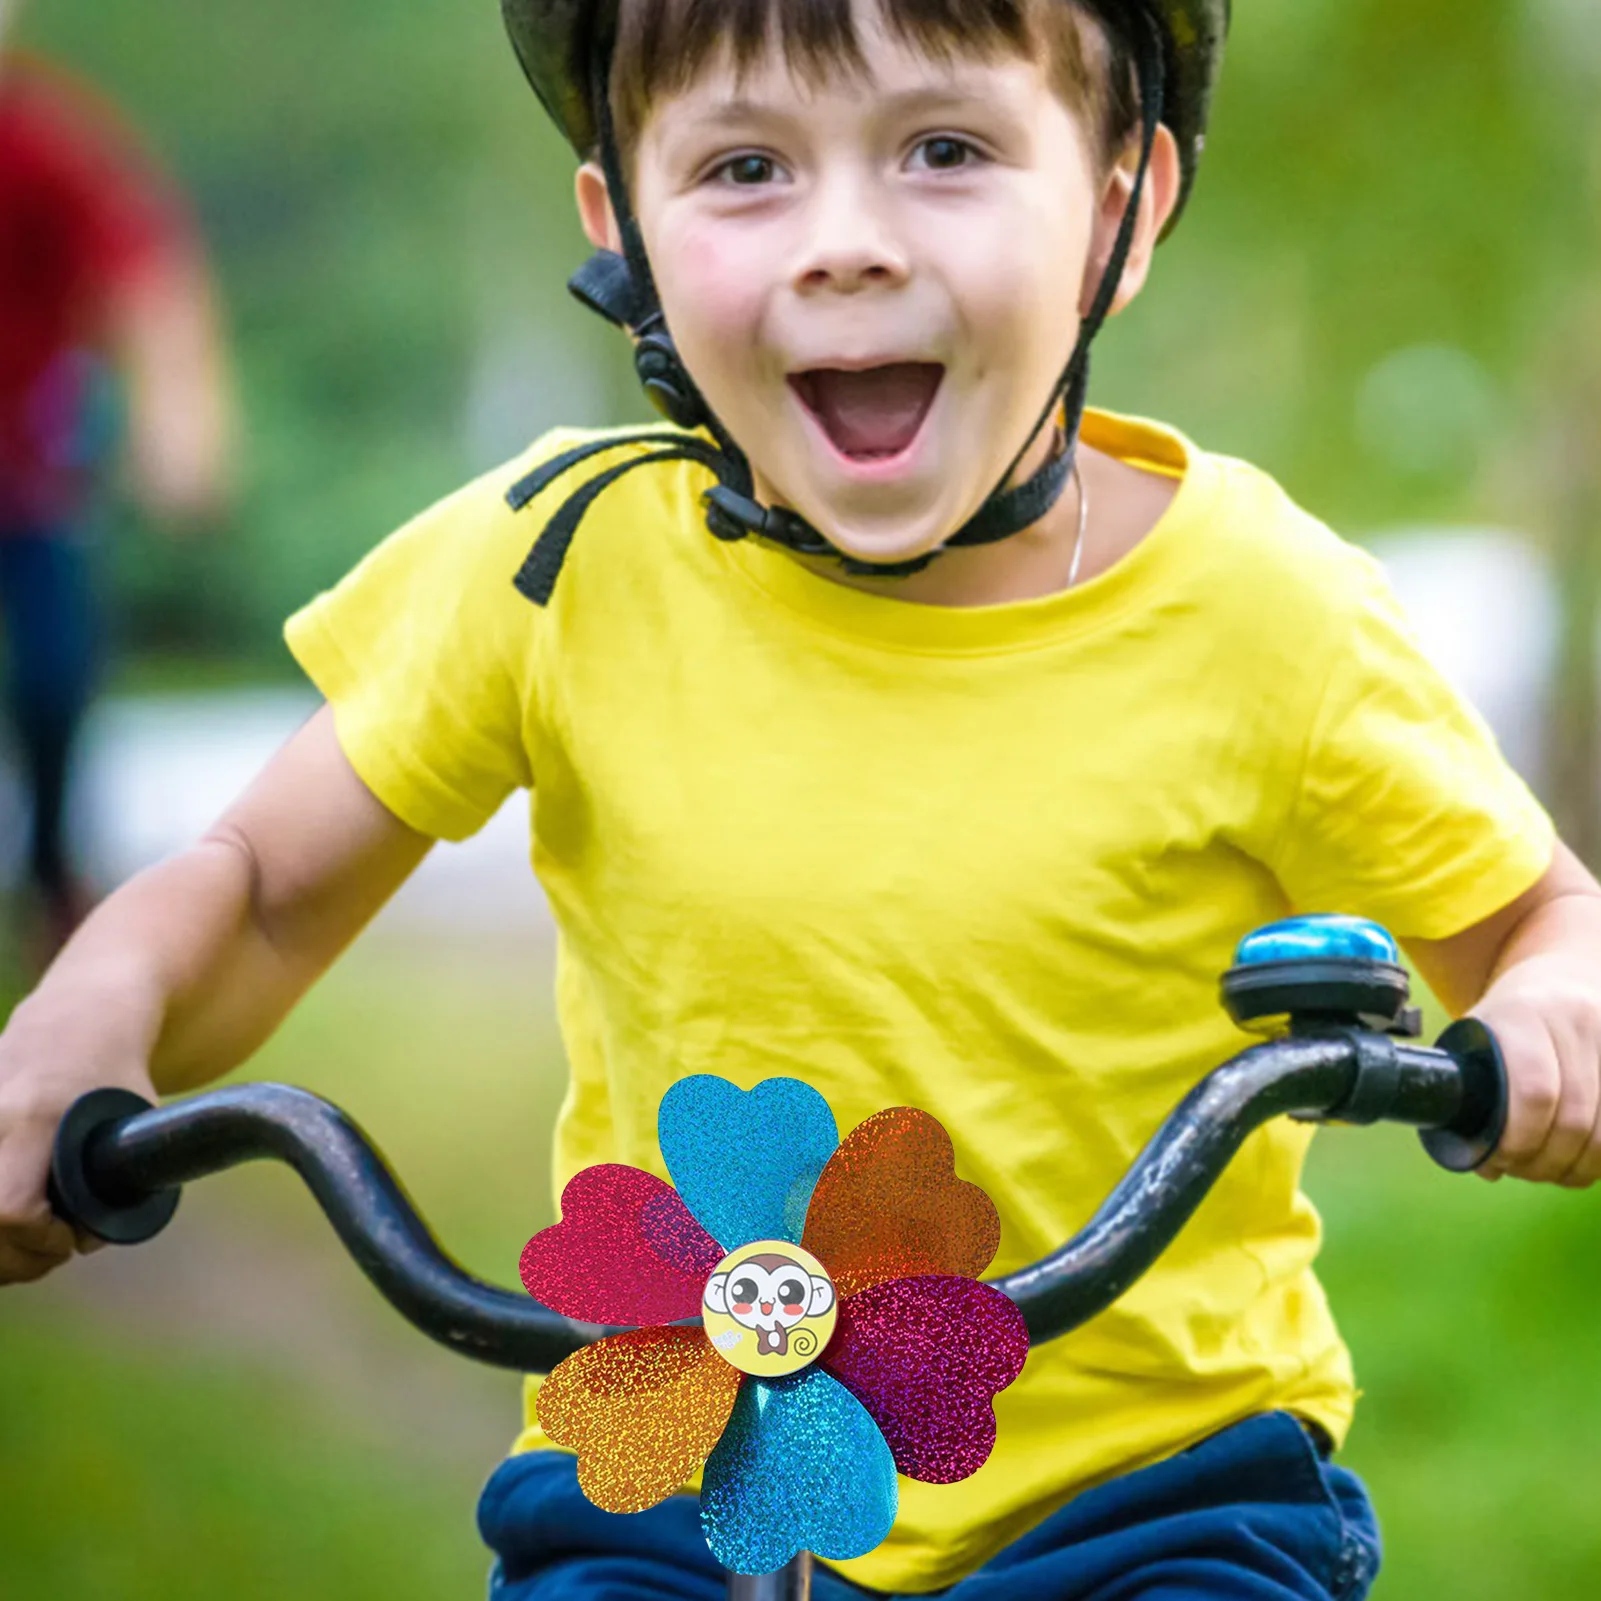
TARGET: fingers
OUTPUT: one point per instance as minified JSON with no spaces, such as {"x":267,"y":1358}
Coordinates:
{"x":31,"y":1248}
{"x":37,"y":1230}
{"x":1586,"y":1168}
{"x":1553,"y":1056}
{"x":1578,"y":1089}
{"x":1534,"y":1084}
{"x":18,"y":1266}
{"x":32,"y":1239}
{"x":1573,"y":1128}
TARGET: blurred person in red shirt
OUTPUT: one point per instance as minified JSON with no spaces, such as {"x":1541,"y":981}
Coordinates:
{"x":108,"y":348}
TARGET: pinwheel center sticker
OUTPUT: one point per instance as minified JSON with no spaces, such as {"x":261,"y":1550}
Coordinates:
{"x":770,"y":1308}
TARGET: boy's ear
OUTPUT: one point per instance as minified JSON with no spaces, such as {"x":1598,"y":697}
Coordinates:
{"x":1163,"y":179}
{"x":594,"y":208}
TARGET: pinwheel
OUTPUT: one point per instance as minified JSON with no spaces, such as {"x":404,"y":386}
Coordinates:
{"x":844,"y":1334}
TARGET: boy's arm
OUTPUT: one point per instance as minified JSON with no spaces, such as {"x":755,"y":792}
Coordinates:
{"x":187,"y":968}
{"x":1532,"y":972}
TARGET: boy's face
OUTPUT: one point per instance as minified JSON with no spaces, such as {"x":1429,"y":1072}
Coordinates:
{"x":875,"y":282}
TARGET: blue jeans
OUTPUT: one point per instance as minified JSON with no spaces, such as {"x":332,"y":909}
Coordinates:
{"x":51,"y":633}
{"x":1252,"y":1514}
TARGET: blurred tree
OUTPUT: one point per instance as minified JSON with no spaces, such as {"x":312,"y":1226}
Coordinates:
{"x":1574,"y":499}
{"x":386,"y":203}
{"x":1382,"y":182}
{"x":1378,"y":239}
{"x":1570,"y":464}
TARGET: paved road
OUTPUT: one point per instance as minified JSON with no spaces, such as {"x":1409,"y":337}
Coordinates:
{"x":157,"y":769}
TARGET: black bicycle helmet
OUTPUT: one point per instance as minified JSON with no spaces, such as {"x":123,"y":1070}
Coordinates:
{"x":1177,"y":48}
{"x":553,"y":40}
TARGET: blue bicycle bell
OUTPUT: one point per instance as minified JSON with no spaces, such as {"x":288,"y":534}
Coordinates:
{"x":1319,"y":972}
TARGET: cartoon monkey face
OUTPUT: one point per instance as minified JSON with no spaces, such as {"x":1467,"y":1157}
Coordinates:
{"x":769,"y":1292}
{"x":770,"y":1288}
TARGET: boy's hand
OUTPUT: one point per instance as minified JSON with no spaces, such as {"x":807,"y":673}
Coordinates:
{"x":1532,"y":974}
{"x":39,"y":1080}
{"x":1547,"y":1016}
{"x":181,"y":973}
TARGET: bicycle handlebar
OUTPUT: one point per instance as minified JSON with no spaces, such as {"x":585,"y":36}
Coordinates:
{"x":1456,"y":1093}
{"x":120,"y":1164}
{"x":118,"y":1160}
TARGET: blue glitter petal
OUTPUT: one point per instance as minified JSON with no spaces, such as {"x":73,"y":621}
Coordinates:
{"x":746,"y":1164}
{"x":800,"y":1467}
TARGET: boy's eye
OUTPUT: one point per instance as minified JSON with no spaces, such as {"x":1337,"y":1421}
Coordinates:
{"x":748,"y":171}
{"x":943,"y":152}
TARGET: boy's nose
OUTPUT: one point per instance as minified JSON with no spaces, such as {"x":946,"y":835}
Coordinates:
{"x":848,"y":245}
{"x":847,"y":272}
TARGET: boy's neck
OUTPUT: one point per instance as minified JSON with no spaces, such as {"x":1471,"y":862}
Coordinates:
{"x":1124,"y":504}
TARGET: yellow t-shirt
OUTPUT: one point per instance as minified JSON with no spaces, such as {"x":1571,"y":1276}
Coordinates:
{"x":988,"y":862}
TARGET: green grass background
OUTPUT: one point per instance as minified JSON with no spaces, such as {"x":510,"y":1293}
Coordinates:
{"x":146,"y":1462}
{"x":387,"y":212}
{"x":391,"y":217}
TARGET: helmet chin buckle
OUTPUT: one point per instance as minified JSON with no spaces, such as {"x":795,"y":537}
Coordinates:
{"x":607,"y":286}
{"x":732,"y":517}
{"x":661,"y":372}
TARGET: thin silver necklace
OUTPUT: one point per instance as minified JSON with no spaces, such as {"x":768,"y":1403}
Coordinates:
{"x":1083,"y":523}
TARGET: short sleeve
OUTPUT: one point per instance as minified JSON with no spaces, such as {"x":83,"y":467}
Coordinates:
{"x":1406,"y":812}
{"x":426,"y":654}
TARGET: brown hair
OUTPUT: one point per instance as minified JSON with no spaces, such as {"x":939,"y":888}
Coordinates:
{"x":662,"y":45}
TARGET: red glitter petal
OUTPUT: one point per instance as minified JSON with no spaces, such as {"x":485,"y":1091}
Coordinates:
{"x":642,"y":1410}
{"x":926,"y":1357}
{"x":626,"y":1251}
{"x":889,"y":1206}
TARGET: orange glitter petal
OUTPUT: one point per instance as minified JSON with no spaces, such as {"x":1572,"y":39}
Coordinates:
{"x":890,"y":1206}
{"x":642,"y":1410}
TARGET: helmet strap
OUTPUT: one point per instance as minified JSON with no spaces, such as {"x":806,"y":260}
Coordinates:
{"x":1072,"y":388}
{"x":623,"y":290}
{"x":661,"y":370}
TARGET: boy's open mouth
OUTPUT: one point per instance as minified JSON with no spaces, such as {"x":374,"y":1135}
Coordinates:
{"x":870,"y":414}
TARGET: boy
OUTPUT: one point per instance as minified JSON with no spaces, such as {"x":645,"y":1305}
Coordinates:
{"x":934,"y":793}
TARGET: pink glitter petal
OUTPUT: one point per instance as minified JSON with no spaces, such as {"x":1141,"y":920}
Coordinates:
{"x":926,"y":1357}
{"x":626,"y":1251}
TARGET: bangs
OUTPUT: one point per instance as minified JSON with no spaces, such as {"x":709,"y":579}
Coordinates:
{"x":664,"y":45}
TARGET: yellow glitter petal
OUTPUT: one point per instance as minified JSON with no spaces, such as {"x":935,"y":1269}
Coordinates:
{"x":642,"y":1410}
{"x":890,"y":1206}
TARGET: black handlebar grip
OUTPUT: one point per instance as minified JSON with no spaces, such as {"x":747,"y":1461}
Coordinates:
{"x":116,"y":1218}
{"x":1471,"y":1138}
